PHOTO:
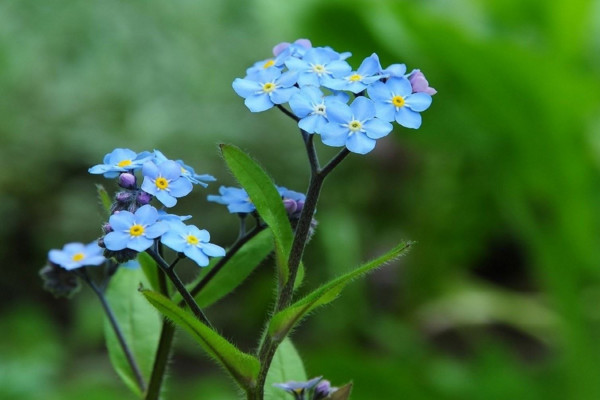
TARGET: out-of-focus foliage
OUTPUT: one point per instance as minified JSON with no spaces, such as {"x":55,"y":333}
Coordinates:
{"x":499,"y":188}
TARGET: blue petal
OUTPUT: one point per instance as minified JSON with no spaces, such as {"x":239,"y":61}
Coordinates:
{"x":119,"y":155}
{"x":146,"y":215}
{"x":288,"y":79}
{"x":399,"y":86}
{"x":246,"y":87}
{"x":334,"y":135}
{"x":369,"y":66}
{"x":139,"y":243}
{"x":173,"y":240}
{"x":339,"y":112}
{"x":212,"y":250}
{"x":300,"y":105}
{"x":339,"y":68}
{"x":362,"y":108}
{"x":150,"y":169}
{"x":157,"y":229}
{"x":379,"y":92}
{"x":116,"y":240}
{"x":121,"y":221}
{"x":197,"y":255}
{"x":377,"y":128}
{"x":360,"y":143}
{"x":418,"y":101}
{"x":312,"y":123}
{"x":201,"y":234}
{"x":165,"y":198}
{"x":408,"y":118}
{"x":241,"y":207}
{"x":148,"y":186}
{"x":282,"y":95}
{"x":385,"y":111}
{"x":259,"y":102}
{"x":170,"y":170}
{"x":180,"y":187}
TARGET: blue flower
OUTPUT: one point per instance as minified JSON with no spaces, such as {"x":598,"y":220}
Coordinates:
{"x":186,"y":171}
{"x":357,"y":81}
{"x":354,"y":126}
{"x":261,"y":65}
{"x":316,"y":65}
{"x":310,"y":106}
{"x":397,"y":70}
{"x":266,"y":88}
{"x":172,"y":218}
{"x":395,"y":100}
{"x":165,"y":182}
{"x":236,"y":200}
{"x":134,"y":231}
{"x":192,"y":242}
{"x":77,"y":255}
{"x":120,"y":160}
{"x":298,"y":388}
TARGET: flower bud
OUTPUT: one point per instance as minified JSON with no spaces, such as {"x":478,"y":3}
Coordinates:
{"x":59,"y":281}
{"x":420,"y":84}
{"x":123,"y":197}
{"x":323,"y":390}
{"x":127,"y":181}
{"x":143,"y":198}
{"x":290,"y":206}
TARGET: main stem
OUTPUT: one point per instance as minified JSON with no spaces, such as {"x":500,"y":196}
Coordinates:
{"x":118,"y":333}
{"x":269,"y":346}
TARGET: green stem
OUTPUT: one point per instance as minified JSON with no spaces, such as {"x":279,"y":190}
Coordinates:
{"x":179,"y":285}
{"x":116,"y":328}
{"x":163,"y":351}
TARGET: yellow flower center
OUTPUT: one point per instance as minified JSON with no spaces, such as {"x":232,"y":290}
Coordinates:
{"x":398,"y":101}
{"x":192,"y":240}
{"x":161,"y":183}
{"x":268,"y":64}
{"x":355,"y":126}
{"x":124,"y":163}
{"x":136,"y":230}
{"x":78,"y":257}
{"x":355,"y":78}
{"x":268,"y":87}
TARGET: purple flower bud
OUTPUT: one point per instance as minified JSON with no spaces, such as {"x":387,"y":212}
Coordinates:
{"x":323,"y":390}
{"x":299,"y":205}
{"x":420,"y":84}
{"x":123,"y":197}
{"x":290,"y":206}
{"x":107,"y":228}
{"x":127,"y":181}
{"x":143,"y":198}
{"x":279,"y":48}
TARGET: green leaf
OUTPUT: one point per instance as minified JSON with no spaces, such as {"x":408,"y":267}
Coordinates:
{"x":150,"y":269}
{"x":283,"y":322}
{"x":342,"y":393}
{"x":267,"y":201}
{"x":238,"y":268}
{"x":286,"y":366}
{"x":104,"y":198}
{"x":139,"y":322}
{"x":243,"y":367}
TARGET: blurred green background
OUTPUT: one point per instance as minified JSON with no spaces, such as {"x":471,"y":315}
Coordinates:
{"x":500,"y":297}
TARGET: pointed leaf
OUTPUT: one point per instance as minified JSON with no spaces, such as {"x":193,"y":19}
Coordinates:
{"x":150,"y":269}
{"x":342,"y":393}
{"x":282,"y":322}
{"x":266,"y":199}
{"x":104,"y":198}
{"x":139,"y":323}
{"x":286,"y":366}
{"x":242,"y":367}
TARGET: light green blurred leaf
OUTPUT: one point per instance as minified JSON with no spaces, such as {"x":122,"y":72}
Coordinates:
{"x":242,"y":367}
{"x":139,"y":323}
{"x":150,"y":269}
{"x":283,"y":322}
{"x":286,"y":366}
{"x":104,"y":198}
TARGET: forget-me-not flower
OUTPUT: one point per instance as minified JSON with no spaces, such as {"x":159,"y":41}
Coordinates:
{"x":192,"y":242}
{"x":236,"y":200}
{"x":186,"y":171}
{"x":357,"y":81}
{"x":77,"y":255}
{"x":298,"y":388}
{"x":317,"y":64}
{"x":120,"y":160}
{"x":395,"y":100}
{"x":134,"y":231}
{"x":165,"y":182}
{"x":355,"y":126}
{"x":266,"y":88}
{"x":310,"y":105}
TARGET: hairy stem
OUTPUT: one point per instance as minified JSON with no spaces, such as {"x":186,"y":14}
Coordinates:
{"x":117,"y":329}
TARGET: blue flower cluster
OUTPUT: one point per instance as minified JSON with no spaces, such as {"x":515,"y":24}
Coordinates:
{"x":351,"y":108}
